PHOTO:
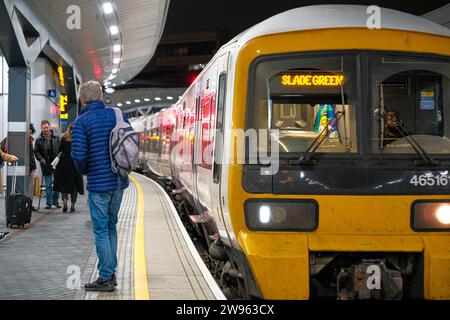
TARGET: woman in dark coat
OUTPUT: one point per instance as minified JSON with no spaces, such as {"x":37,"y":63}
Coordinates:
{"x":67,"y":179}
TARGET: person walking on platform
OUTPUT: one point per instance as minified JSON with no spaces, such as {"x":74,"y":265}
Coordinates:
{"x":46,"y":150}
{"x":32,"y":166}
{"x":67,"y":179}
{"x":91,"y":153}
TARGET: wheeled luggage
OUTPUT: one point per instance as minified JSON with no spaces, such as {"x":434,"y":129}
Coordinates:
{"x":18,"y":207}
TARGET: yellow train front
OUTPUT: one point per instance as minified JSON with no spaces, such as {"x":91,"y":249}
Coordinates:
{"x":345,"y":193}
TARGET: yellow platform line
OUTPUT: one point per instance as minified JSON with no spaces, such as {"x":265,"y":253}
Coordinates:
{"x":141,"y":289}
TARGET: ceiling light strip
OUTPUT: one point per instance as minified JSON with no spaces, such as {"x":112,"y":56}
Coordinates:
{"x":112,"y":24}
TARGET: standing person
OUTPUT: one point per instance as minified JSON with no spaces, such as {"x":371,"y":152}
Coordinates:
{"x":33,"y":167}
{"x":46,"y":150}
{"x":90,"y":151}
{"x":67,"y":179}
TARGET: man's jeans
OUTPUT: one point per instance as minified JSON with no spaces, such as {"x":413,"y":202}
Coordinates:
{"x":52,"y":197}
{"x":104,"y":208}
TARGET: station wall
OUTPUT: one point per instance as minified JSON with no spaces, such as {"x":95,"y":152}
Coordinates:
{"x":44,"y":77}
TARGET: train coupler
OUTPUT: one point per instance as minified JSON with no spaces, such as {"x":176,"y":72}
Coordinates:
{"x":370,"y":279}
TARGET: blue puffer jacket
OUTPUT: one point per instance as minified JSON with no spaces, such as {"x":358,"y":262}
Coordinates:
{"x":90,"y":148}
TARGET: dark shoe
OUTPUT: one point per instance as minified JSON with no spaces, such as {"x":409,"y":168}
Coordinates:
{"x":100,"y":286}
{"x":114,"y":280}
{"x":48,"y":207}
{"x":3,"y":235}
{"x":34,"y":209}
{"x":65,"y":208}
{"x":57,"y":205}
{"x":72,"y":208}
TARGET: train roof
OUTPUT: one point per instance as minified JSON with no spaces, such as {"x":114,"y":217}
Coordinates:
{"x":332,"y":16}
{"x":338,"y":16}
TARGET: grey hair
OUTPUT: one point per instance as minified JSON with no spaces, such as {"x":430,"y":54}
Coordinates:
{"x":90,"y":91}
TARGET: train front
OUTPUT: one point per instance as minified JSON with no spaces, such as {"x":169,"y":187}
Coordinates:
{"x":346,"y":193}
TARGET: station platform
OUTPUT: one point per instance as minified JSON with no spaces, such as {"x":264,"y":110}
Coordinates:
{"x":55,"y":255}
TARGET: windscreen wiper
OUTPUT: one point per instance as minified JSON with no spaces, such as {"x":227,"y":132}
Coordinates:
{"x":306,"y":158}
{"x":427,"y":160}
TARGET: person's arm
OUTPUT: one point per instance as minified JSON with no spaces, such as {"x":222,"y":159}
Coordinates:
{"x":37,"y":153}
{"x":8,"y":157}
{"x":79,"y":146}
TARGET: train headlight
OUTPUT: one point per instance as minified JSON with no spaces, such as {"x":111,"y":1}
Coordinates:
{"x":431,"y":216}
{"x":282,"y":215}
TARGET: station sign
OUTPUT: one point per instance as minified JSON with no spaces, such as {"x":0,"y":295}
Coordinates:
{"x":51,"y":94}
{"x":63,"y":103}
{"x":61,"y":76}
{"x":427,"y":100}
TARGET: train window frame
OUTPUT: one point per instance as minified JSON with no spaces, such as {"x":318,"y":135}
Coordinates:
{"x":368,"y":55}
{"x":357,"y":96}
{"x":218,"y":143}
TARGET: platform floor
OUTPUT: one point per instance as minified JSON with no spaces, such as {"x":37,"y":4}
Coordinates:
{"x":55,"y":256}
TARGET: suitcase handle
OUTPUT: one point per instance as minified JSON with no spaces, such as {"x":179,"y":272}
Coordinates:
{"x":14,"y":182}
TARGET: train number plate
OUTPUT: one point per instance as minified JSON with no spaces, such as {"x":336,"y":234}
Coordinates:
{"x":430,"y":181}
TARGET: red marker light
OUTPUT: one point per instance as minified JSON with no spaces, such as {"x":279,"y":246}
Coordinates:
{"x":192,"y":76}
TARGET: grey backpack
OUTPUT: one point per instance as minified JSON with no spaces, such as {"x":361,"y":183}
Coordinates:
{"x":124,"y":146}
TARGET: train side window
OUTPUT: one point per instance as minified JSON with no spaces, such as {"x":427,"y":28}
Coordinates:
{"x":218,"y":147}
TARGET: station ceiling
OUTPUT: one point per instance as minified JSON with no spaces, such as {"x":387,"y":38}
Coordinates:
{"x":101,"y":52}
{"x":142,"y":23}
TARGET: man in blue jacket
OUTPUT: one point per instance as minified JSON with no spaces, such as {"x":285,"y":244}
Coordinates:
{"x":90,"y":151}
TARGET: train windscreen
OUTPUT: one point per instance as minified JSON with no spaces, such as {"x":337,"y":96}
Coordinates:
{"x":298,"y":99}
{"x":414,"y":93}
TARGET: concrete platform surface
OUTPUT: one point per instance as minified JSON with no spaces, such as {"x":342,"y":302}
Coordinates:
{"x":55,"y":255}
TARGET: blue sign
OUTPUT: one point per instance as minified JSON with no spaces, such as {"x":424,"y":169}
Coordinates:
{"x":427,"y":100}
{"x":427,"y":105}
{"x":52,"y":94}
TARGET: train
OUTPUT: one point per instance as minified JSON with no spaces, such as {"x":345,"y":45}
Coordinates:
{"x":312,"y":154}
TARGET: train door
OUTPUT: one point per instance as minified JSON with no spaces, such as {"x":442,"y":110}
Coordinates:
{"x":195,"y":149}
{"x":154,"y":144}
{"x":217,"y":181}
{"x":175,"y":143}
{"x":204,"y":150}
{"x":160,"y":141}
{"x":203,"y":135}
{"x":187,"y":169}
{"x":143,"y":140}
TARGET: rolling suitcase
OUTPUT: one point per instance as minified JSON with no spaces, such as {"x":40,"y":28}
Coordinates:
{"x":18,"y":207}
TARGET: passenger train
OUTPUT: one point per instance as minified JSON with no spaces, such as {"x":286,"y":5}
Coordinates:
{"x":313,"y":153}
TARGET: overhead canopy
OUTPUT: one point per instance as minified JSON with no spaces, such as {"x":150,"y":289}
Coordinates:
{"x":101,"y":52}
